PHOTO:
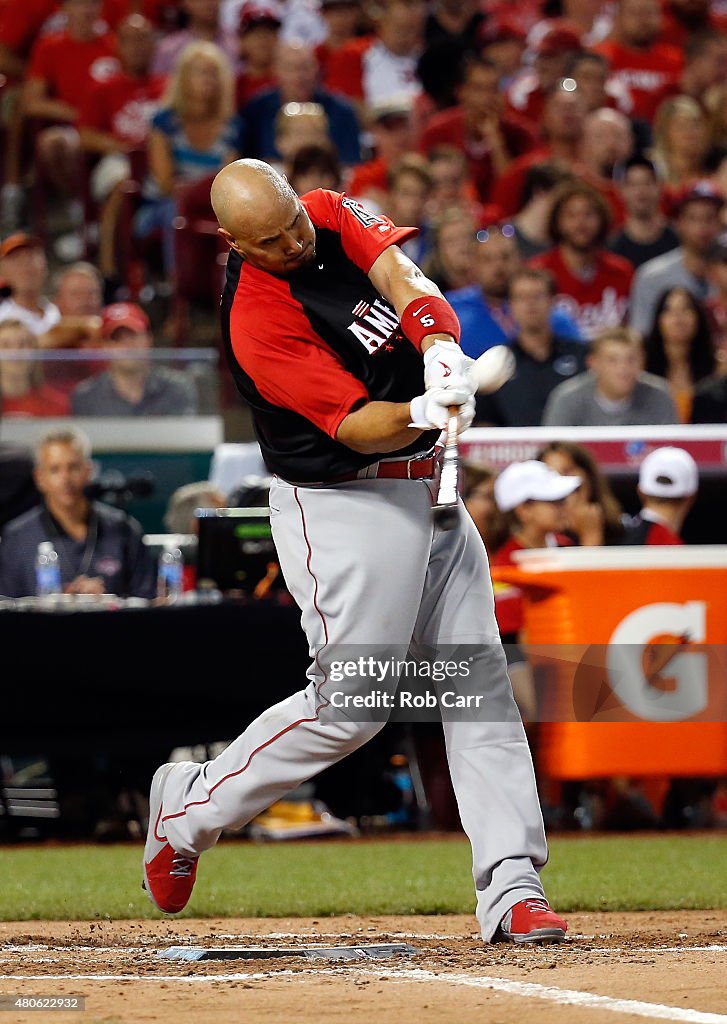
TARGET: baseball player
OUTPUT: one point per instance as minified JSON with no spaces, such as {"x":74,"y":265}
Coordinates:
{"x":348,"y":357}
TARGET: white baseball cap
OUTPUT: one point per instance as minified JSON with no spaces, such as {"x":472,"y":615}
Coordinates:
{"x":531,"y":481}
{"x":668,"y":473}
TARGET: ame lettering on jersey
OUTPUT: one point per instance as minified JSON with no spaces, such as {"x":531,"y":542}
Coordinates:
{"x":374,"y":325}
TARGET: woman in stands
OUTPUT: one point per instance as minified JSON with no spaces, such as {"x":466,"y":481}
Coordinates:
{"x":682,"y":140}
{"x":23,"y":391}
{"x":593,"y":514}
{"x":194,"y":133}
{"x":680,"y":347}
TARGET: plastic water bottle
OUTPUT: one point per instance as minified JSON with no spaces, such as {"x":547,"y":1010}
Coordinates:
{"x":47,"y":571}
{"x":170,"y":581}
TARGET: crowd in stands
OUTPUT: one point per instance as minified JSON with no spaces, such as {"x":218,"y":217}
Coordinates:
{"x":584,"y":141}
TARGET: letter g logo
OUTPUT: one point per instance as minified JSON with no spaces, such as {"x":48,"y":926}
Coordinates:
{"x":688,"y":669}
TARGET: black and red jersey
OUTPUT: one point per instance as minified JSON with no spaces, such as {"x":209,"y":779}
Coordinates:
{"x":308,"y":349}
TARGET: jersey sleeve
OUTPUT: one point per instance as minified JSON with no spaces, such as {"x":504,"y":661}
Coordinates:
{"x":304,"y":378}
{"x":364,"y":235}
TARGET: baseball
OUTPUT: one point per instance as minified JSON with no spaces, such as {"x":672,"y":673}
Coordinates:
{"x":493,"y":368}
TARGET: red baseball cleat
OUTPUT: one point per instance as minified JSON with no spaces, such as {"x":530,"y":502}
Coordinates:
{"x":168,"y":876}
{"x":532,"y":920}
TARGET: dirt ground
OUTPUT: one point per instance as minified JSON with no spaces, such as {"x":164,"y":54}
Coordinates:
{"x":665,"y":966}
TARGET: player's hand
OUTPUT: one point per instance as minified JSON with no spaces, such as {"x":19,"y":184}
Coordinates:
{"x":446,"y":366}
{"x":431,"y":410}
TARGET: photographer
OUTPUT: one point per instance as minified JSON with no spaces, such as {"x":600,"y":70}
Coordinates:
{"x":100,"y":548}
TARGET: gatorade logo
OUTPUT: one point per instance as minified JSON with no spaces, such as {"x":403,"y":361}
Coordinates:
{"x":652,"y":667}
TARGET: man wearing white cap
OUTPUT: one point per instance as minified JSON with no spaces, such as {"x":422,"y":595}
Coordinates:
{"x":668,"y":483}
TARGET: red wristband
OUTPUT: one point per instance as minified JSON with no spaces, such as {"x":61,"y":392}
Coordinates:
{"x":429,"y":315}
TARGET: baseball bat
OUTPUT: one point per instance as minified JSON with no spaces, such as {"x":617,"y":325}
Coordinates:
{"x":445,"y":509}
{"x":491,"y":370}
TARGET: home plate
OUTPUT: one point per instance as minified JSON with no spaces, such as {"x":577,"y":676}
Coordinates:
{"x":374,"y":952}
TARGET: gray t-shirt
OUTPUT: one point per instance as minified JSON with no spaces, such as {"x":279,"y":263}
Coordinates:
{"x":654,"y":277}
{"x":166,"y":393}
{"x":576,"y":404}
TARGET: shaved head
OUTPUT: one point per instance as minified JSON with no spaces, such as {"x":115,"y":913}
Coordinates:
{"x":261,"y":217}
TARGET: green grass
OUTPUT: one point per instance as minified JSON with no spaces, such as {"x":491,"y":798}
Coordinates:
{"x":401,"y":877}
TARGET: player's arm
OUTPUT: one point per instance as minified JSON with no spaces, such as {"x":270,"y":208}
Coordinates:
{"x":378,"y":427}
{"x":403,"y":284}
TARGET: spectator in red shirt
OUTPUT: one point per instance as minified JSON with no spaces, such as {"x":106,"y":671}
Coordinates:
{"x":561,"y":132}
{"x":489,"y":138}
{"x":343,"y":20}
{"x":23,"y":21}
{"x":384,"y":64}
{"x":639,"y":62}
{"x":531,"y":497}
{"x":705,"y":65}
{"x":64,"y":66}
{"x":113,"y":121}
{"x":258,"y":34}
{"x":667,"y":488}
{"x":527,"y":94}
{"x":23,"y":389}
{"x":592,"y":283}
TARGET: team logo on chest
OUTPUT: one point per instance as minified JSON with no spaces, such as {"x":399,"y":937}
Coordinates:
{"x":374,"y":325}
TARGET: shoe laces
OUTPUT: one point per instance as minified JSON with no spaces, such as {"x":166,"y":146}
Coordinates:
{"x":182,"y":866}
{"x":534,"y":906}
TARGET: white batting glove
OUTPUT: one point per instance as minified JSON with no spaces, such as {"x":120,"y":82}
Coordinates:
{"x":431,"y":410}
{"x":446,"y":366}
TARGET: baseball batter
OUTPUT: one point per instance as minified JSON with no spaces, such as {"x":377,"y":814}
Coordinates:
{"x":348,"y":357}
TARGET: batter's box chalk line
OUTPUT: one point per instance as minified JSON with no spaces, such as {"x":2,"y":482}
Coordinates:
{"x":380,"y":951}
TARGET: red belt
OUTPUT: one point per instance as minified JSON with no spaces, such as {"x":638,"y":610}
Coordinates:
{"x":398,"y":469}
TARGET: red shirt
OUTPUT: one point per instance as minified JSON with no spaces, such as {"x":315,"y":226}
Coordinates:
{"x":69,"y":67}
{"x":369,"y":177}
{"x":44,"y":400}
{"x":642,"y":74}
{"x":601,"y":301}
{"x":344,"y":67}
{"x":508,"y":188}
{"x":659,"y":533}
{"x":509,"y":610}
{"x":23,"y":21}
{"x":526,"y":98}
{"x":448,"y":128}
{"x":122,"y":106}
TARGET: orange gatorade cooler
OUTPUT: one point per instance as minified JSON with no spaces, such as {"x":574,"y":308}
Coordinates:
{"x":628,"y":646}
